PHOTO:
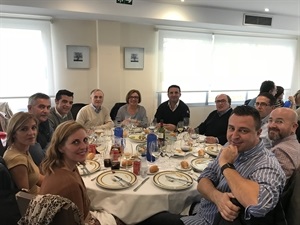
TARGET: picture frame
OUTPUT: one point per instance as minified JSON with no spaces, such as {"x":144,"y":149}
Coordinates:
{"x":133,"y":58}
{"x":78,"y":57}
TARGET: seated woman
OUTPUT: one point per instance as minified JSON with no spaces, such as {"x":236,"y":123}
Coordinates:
{"x":21,"y":133}
{"x":69,"y":146}
{"x":132,"y":111}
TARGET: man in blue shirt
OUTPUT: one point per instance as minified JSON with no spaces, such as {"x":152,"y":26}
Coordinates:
{"x":244,"y":170}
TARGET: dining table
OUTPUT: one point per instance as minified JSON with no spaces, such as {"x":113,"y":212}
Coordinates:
{"x":156,"y":194}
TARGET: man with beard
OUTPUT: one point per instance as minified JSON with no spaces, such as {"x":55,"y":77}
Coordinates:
{"x":39,"y":105}
{"x":282,"y":126}
{"x":244,"y":170}
{"x":95,"y":115}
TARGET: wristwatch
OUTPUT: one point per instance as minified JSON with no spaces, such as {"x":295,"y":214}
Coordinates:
{"x":227,"y":165}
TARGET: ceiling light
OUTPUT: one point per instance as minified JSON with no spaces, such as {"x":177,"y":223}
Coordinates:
{"x":182,"y":0}
{"x":267,"y":9}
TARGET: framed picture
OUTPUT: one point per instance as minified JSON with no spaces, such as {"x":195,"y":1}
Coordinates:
{"x":78,"y":57}
{"x":134,"y":58}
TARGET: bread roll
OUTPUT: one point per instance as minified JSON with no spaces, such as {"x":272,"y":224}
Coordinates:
{"x":129,"y":163}
{"x":90,"y":156}
{"x":184,"y":164}
{"x":153,"y":169}
{"x":201,"y":152}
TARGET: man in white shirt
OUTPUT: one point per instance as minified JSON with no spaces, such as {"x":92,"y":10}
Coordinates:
{"x":95,"y":115}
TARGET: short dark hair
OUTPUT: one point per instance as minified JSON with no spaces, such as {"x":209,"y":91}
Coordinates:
{"x":174,"y":86}
{"x":271,"y":98}
{"x":131,"y":92}
{"x":267,"y":86}
{"x":280,"y":91}
{"x":63,"y":92}
{"x":245,"y":110}
{"x":34,"y":97}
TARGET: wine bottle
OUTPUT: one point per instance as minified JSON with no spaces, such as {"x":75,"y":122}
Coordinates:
{"x":161,"y":134}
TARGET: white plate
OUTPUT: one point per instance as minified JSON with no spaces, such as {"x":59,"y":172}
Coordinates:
{"x":179,"y":153}
{"x":105,"y":179}
{"x":160,"y":180}
{"x":138,"y":138}
{"x":92,"y":166}
{"x":178,"y":167}
{"x":202,"y":138}
{"x":138,"y":130}
{"x":200,"y":164}
{"x":213,"y":149}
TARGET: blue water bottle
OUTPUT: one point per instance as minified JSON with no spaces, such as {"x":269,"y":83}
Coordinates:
{"x":118,"y":132}
{"x":151,"y":141}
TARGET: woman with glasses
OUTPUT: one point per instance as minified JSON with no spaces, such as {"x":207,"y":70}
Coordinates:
{"x":132,"y":112}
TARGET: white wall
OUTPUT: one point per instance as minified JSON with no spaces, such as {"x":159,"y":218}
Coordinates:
{"x":107,"y":40}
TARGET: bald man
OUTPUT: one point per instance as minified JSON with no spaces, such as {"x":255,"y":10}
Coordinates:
{"x":282,"y":125}
{"x":215,"y":125}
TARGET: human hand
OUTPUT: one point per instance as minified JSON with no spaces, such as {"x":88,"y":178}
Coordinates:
{"x":169,"y":126}
{"x":227,"y":209}
{"x":228,"y":155}
{"x":211,"y":140}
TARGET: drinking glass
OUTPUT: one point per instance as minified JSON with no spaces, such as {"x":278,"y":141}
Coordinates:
{"x":186,"y":123}
{"x":154,"y":150}
{"x":170,"y":150}
{"x":185,"y":147}
{"x":101,"y":147}
{"x":180,"y":126}
{"x":128,"y":151}
{"x":153,"y":124}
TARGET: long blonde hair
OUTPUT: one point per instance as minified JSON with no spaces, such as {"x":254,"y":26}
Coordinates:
{"x":54,"y":158}
{"x":16,"y":122}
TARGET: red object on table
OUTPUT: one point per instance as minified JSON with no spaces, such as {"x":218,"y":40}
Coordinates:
{"x":92,"y":148}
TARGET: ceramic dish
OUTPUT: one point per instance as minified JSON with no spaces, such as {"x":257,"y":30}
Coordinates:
{"x":138,"y":138}
{"x":107,"y":179}
{"x":213,"y":149}
{"x":92,"y":166}
{"x":161,"y":180}
{"x":200,"y":164}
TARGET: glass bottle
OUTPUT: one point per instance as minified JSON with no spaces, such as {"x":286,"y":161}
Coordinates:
{"x":161,"y":134}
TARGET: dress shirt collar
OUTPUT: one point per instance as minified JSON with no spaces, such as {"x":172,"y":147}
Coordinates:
{"x":96,"y":110}
{"x":174,"y":107}
{"x":61,"y":116}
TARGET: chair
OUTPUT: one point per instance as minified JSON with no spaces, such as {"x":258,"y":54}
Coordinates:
{"x":47,"y":210}
{"x":9,"y":212}
{"x":114,"y":110}
{"x":75,"y":109}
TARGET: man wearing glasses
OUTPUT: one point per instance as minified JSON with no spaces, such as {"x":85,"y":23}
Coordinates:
{"x":215,"y":125}
{"x":265,"y":103}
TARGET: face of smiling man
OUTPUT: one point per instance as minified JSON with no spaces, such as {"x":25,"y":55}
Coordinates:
{"x":282,"y":123}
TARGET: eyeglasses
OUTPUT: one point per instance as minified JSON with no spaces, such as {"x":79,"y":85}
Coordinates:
{"x":262,"y":104}
{"x":220,"y":101}
{"x":135,"y":97}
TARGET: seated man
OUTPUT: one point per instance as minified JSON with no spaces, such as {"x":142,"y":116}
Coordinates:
{"x":265,"y":103}
{"x":244,"y":170}
{"x":266,"y":86}
{"x":62,"y":110}
{"x":173,"y":110}
{"x":282,"y":126}
{"x":215,"y":125}
{"x":39,"y":105}
{"x":95,"y":115}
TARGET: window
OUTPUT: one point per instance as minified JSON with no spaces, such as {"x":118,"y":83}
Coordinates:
{"x":205,"y":65}
{"x":25,"y":58}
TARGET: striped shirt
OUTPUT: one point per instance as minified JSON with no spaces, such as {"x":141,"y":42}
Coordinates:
{"x":257,"y":164}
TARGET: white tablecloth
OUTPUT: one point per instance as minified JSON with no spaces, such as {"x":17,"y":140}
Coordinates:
{"x":133,"y":207}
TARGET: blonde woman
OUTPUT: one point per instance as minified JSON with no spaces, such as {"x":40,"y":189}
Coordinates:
{"x":69,"y":146}
{"x":21,"y":133}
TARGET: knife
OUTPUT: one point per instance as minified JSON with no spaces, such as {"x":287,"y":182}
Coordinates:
{"x":121,"y":179}
{"x":141,"y":184}
{"x":175,"y":178}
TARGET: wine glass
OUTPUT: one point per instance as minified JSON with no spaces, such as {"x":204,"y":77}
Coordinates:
{"x":101,"y":147}
{"x":180,"y":126}
{"x":169,"y":151}
{"x":154,"y":150}
{"x":185,"y":147}
{"x":153,"y":124}
{"x":186,"y":123}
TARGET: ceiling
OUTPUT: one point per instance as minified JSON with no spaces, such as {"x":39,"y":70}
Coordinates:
{"x":279,"y":7}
